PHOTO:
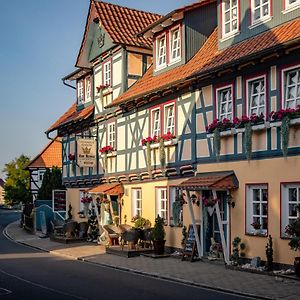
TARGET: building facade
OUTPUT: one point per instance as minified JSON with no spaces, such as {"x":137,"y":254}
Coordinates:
{"x":217,"y":114}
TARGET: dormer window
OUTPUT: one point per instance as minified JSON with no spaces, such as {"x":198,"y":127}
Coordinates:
{"x":291,"y":4}
{"x":80,"y":91}
{"x":88,"y":89}
{"x":175,"y":45}
{"x":107,"y":73}
{"x":260,"y":11}
{"x":161,"y":52}
{"x":168,"y":48}
{"x":230,"y":17}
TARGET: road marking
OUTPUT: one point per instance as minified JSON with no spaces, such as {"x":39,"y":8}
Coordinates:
{"x":4,"y":292}
{"x":42,"y":286}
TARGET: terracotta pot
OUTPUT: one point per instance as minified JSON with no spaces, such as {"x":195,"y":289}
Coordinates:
{"x":159,"y":247}
{"x":297,"y":265}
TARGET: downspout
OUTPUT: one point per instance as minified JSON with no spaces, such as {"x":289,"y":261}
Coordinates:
{"x":71,"y":86}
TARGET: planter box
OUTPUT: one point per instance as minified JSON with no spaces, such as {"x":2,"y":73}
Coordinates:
{"x":169,"y":143}
{"x":240,"y":130}
{"x":226,"y":133}
{"x":295,"y":121}
{"x":275,"y":124}
{"x":258,"y":127}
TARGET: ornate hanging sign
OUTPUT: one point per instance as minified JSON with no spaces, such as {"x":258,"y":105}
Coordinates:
{"x":86,"y":153}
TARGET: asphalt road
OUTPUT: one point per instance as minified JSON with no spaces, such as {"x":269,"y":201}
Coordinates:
{"x":26,"y":273}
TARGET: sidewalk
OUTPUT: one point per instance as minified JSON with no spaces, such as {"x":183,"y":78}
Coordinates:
{"x":204,"y":274}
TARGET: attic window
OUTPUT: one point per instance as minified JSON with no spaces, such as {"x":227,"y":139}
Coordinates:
{"x":175,"y":45}
{"x":161,"y":52}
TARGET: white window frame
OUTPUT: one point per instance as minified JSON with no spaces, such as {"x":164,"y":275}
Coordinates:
{"x":250,"y":216}
{"x":167,"y":117}
{"x":88,"y":89}
{"x":262,"y":18}
{"x":40,"y":174}
{"x":219,"y":92}
{"x":232,"y":31}
{"x":80,"y":91}
{"x":249,"y":95}
{"x":285,"y":204}
{"x":111,"y":134}
{"x":178,"y":45}
{"x":289,"y":7}
{"x":162,"y":203}
{"x":154,"y":121}
{"x":284,"y":76}
{"x":158,"y":52}
{"x":107,"y":78}
{"x":136,"y":197}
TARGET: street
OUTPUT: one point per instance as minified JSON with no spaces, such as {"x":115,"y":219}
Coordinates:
{"x":27,"y":273}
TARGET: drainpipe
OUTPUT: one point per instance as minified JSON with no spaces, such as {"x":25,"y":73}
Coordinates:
{"x":71,"y":86}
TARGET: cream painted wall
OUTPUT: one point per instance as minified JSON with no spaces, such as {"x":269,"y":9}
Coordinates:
{"x":271,"y":171}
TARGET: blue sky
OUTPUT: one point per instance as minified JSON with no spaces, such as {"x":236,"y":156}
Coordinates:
{"x":40,"y":40}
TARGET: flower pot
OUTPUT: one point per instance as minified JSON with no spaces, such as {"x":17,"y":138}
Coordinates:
{"x":297,"y":265}
{"x":159,"y":247}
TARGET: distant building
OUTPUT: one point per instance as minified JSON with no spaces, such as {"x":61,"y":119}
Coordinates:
{"x":50,"y":156}
{"x":2,"y":183}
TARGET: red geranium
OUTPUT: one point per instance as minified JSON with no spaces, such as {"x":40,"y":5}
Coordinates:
{"x":150,"y":140}
{"x":167,"y":136}
{"x":71,"y":157}
{"x":106,"y":149}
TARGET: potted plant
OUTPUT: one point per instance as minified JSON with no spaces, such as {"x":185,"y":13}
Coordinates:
{"x":293,"y":231}
{"x":158,"y":236}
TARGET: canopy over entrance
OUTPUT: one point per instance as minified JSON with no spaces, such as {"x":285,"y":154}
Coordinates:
{"x":107,"y":188}
{"x":225,"y":180}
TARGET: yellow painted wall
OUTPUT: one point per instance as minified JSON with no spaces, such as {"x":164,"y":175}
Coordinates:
{"x":271,"y":171}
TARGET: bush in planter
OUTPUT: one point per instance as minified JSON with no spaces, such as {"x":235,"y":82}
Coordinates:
{"x":293,"y":230}
{"x":237,"y":250}
{"x":158,"y":236}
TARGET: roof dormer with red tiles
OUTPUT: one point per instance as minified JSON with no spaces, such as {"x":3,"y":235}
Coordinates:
{"x":180,"y":34}
{"x":111,"y":57}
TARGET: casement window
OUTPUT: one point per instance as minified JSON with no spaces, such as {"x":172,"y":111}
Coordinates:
{"x":88,"y":89}
{"x":161,"y":58}
{"x":163,"y":119}
{"x":107,"y":73}
{"x":256,"y":96}
{"x":41,"y":175}
{"x":291,"y":88}
{"x":111,"y":135}
{"x":260,"y":10}
{"x":257,"y":208}
{"x":176,"y":207}
{"x":155,"y":117}
{"x":230,"y":17}
{"x":175,"y":43}
{"x":80,"y":91}
{"x":162,"y":203}
{"x":169,"y":117}
{"x":291,"y":4}
{"x":136,"y":196}
{"x":225,"y":103}
{"x":290,"y":198}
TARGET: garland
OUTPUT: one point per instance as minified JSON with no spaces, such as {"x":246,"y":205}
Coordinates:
{"x":217,"y":143}
{"x":285,"y":135}
{"x":148,"y":161}
{"x":248,"y":141}
{"x":162,"y":153}
{"x":104,"y":159}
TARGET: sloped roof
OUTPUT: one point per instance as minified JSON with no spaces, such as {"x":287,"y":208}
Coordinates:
{"x":108,"y":188}
{"x":121,"y":24}
{"x":209,"y":59}
{"x":50,"y":156}
{"x":72,"y":115}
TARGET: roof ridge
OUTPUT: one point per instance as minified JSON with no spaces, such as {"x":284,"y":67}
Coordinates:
{"x":133,"y":9}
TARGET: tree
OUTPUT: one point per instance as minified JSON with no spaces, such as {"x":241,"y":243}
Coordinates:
{"x":51,"y":181}
{"x":17,"y":185}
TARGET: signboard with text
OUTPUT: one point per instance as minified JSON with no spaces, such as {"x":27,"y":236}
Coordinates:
{"x":86,"y":153}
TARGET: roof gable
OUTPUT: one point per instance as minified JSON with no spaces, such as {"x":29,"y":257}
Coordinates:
{"x":50,"y":156}
{"x":121,"y":24}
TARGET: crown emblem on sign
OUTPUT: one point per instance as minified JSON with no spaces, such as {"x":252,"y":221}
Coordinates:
{"x":86,"y":150}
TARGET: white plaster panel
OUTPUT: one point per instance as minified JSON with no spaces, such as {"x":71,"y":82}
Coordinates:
{"x":239,"y":110}
{"x":202,"y":148}
{"x":273,"y":103}
{"x":197,"y":97}
{"x":117,"y":73}
{"x":116,"y":92}
{"x":274,"y":138}
{"x":133,"y":161}
{"x":208,"y":95}
{"x":186,"y":96}
{"x":240,"y":143}
{"x":200,"y":126}
{"x":239,"y":87}
{"x":273,"y":78}
{"x":142,"y":162}
{"x":121,"y":138}
{"x":121,"y":162}
{"x":117,"y":56}
{"x":187,"y":147}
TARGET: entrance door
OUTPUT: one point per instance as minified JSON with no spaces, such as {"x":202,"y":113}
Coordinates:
{"x":211,"y":231}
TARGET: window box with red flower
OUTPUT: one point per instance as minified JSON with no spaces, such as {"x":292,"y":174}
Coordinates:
{"x":106,"y":152}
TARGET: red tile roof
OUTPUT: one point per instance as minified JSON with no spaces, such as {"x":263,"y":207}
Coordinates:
{"x":209,"y":59}
{"x":50,"y":156}
{"x":72,"y":115}
{"x":108,"y":188}
{"x":121,"y":24}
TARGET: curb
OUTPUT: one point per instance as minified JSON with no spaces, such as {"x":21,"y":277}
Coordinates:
{"x":142,"y":273}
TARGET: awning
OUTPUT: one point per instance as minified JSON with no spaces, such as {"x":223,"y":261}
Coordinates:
{"x":107,"y":188}
{"x":211,"y":180}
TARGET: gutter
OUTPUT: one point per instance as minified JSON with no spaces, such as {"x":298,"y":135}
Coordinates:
{"x":69,"y":85}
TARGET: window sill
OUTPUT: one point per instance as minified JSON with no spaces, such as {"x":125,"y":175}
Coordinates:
{"x":110,"y":154}
{"x":169,"y":143}
{"x":295,"y":121}
{"x":175,"y":61}
{"x":159,"y":68}
{"x":258,"y":234}
{"x":260,"y":22}
{"x":289,"y":9}
{"x":228,"y":37}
